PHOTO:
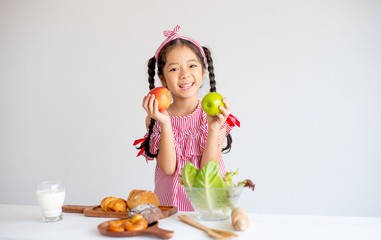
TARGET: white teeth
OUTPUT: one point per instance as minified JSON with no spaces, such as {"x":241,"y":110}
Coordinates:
{"x":186,"y":85}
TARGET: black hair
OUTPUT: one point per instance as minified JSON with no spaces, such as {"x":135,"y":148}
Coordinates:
{"x":160,"y":64}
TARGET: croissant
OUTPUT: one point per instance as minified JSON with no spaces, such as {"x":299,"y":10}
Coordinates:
{"x":138,"y":197}
{"x":113,"y":204}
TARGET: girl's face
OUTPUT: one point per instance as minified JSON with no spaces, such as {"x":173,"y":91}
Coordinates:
{"x":182,"y":73}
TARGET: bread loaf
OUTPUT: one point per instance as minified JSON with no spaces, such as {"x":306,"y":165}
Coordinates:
{"x":138,"y":197}
{"x":113,"y":204}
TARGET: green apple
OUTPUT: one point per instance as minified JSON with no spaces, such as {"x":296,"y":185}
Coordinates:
{"x":211,"y":102}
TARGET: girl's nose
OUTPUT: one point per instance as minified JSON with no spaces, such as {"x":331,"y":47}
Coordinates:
{"x":184,"y":74}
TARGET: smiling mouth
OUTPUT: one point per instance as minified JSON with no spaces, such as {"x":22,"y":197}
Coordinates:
{"x":186,"y":86}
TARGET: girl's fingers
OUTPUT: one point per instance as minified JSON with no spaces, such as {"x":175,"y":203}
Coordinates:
{"x":227,"y":104}
{"x":224,"y":111}
{"x":145,"y":103}
{"x":148,"y":104}
{"x":155,"y":106}
{"x":221,"y":117}
{"x":151,"y":105}
{"x":151,"y":101}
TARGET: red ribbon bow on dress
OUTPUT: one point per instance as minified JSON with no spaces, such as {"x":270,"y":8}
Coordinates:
{"x":233,"y":121}
{"x":136,"y":142}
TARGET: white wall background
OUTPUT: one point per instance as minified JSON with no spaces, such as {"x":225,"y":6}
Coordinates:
{"x":304,"y":77}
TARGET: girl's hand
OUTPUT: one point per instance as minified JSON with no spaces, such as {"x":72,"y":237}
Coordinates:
{"x":215,"y":122}
{"x":150,"y":104}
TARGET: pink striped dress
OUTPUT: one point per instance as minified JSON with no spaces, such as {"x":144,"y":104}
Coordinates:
{"x":190,"y":133}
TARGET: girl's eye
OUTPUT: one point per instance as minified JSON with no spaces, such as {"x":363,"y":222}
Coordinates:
{"x":173,"y":69}
{"x":193,"y":66}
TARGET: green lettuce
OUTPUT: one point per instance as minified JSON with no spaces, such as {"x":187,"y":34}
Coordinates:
{"x":229,"y":178}
{"x":209,"y":176}
{"x":188,"y":174}
{"x":207,"y":185}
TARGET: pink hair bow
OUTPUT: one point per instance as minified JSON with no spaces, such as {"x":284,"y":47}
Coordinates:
{"x":171,"y":35}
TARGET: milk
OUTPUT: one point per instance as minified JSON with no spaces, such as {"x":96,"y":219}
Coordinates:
{"x":51,"y":201}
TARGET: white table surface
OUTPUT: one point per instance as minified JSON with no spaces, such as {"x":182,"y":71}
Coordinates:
{"x":23,"y":222}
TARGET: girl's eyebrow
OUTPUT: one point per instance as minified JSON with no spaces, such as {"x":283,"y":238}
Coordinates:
{"x":171,"y":64}
{"x":174,"y":63}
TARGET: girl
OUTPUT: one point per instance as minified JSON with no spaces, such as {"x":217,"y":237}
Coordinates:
{"x":184,"y":132}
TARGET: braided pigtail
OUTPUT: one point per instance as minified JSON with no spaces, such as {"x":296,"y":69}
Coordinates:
{"x":146,"y":142}
{"x":210,"y":66}
{"x":228,"y":144}
{"x":151,"y":80}
{"x":151,"y":72}
{"x":212,"y":83}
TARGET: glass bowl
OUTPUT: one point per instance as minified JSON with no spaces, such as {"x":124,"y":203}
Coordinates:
{"x":213,"y":203}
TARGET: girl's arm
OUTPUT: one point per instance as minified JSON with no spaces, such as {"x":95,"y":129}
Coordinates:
{"x":166,"y":158}
{"x":212,"y":149}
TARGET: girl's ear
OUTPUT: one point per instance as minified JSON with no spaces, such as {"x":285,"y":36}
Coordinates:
{"x":162,"y":80}
{"x":203,"y":73}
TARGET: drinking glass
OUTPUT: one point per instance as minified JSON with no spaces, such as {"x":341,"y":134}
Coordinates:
{"x":51,"y":196}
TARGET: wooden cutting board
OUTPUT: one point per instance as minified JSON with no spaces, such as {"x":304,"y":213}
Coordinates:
{"x":152,"y":229}
{"x":96,"y":211}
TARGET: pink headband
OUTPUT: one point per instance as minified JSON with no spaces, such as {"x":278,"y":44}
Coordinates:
{"x":173,"y":35}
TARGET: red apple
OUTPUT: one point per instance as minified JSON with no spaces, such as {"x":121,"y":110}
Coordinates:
{"x":211,"y":102}
{"x":163,"y":96}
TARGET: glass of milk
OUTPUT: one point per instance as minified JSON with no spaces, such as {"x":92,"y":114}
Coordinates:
{"x":51,"y":196}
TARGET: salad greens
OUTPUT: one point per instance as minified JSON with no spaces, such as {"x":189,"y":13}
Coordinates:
{"x":188,"y":174}
{"x":229,"y":178}
{"x":208,"y":177}
{"x":208,"y":186}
